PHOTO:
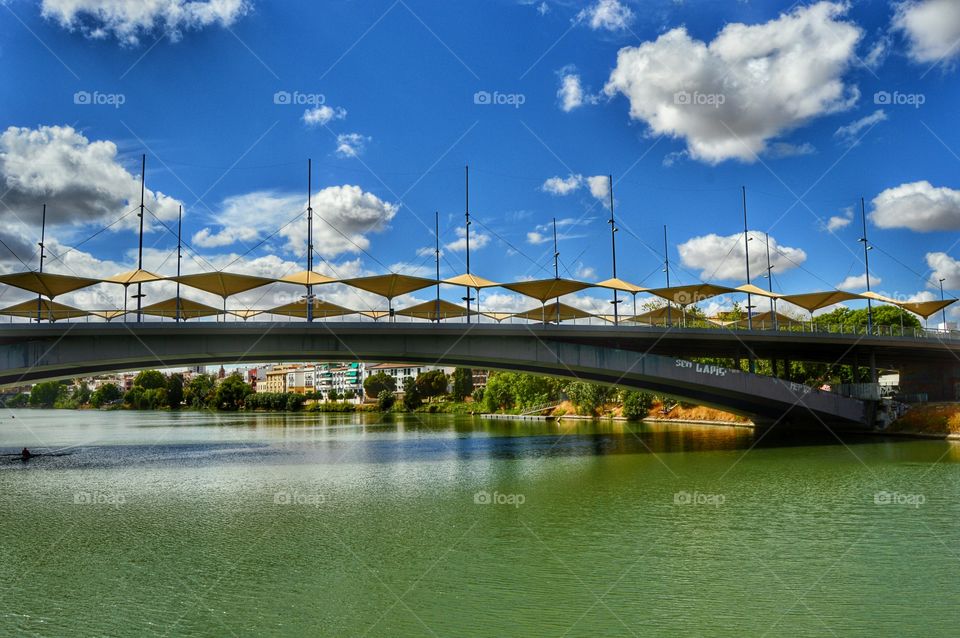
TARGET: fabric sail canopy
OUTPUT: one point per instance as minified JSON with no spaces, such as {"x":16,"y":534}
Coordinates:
{"x":553,"y":312}
{"x":756,"y":290}
{"x":816,"y":300}
{"x":375,"y":314}
{"x":321,"y":309}
{"x":108,"y":314}
{"x":694,"y":293}
{"x":621,"y":285}
{"x":46,"y":309}
{"x":497,"y":316}
{"x":390,"y":286}
{"x":137,"y":276}
{"x":470,"y":281}
{"x":47,"y":284}
{"x":307,"y":278}
{"x":223,"y":284}
{"x":189,"y":309}
{"x":429,"y":310}
{"x":926,"y":308}
{"x":545,"y":289}
{"x":657,"y":316}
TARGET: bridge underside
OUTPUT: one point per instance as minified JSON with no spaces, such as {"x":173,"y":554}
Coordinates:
{"x":34,"y":352}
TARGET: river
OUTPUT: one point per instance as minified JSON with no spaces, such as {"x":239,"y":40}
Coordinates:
{"x":198,"y":523}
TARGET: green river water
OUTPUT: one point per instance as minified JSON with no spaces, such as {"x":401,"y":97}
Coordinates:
{"x":159,"y":524}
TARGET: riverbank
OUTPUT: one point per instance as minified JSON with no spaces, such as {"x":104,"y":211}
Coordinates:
{"x":930,"y":420}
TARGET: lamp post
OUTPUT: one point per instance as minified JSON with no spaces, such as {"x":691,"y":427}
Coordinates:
{"x":944,"y":309}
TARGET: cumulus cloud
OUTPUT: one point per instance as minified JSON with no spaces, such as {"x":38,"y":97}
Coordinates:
{"x":599,"y":186}
{"x":944,"y":267}
{"x":351,"y":144}
{"x":562,"y":185}
{"x":82,"y":182}
{"x":918,"y":206}
{"x":728,"y":98}
{"x":722,"y":257}
{"x":129,"y":20}
{"x":610,"y":15}
{"x":850,"y":133}
{"x":932,"y":29}
{"x":477,"y":240}
{"x":571,"y":92}
{"x":347,"y":209}
{"x":857,"y":283}
{"x":323,"y":115}
{"x":838,"y":222}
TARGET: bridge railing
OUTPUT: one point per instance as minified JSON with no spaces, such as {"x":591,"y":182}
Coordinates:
{"x":680,"y":323}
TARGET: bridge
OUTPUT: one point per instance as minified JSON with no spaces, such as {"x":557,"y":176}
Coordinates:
{"x":649,"y":358}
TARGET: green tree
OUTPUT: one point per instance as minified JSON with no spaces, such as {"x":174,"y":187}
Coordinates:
{"x":150,"y":379}
{"x":134,"y":398}
{"x":46,"y":393}
{"x":377,"y":383}
{"x":588,"y":397}
{"x":200,"y":391}
{"x":431,"y":384}
{"x":461,"y":384}
{"x":81,"y":395}
{"x":385,"y":400}
{"x":636,"y":405}
{"x":411,"y":394}
{"x":231,"y":392}
{"x":333,"y":395}
{"x":175,"y":390}
{"x":498,"y":394}
{"x":106,"y":393}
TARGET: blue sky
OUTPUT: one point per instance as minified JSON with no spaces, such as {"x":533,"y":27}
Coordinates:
{"x":809,"y":109}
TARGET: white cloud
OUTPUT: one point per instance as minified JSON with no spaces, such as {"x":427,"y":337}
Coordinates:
{"x":477,"y":240}
{"x":858,"y":283}
{"x":129,"y":20}
{"x":944,"y":267}
{"x":536,"y":238}
{"x":351,"y":144}
{"x":323,"y":114}
{"x":82,"y":182}
{"x":562,"y":186}
{"x":838,"y":222}
{"x":599,"y":187}
{"x":570,"y":93}
{"x":877,"y":54}
{"x":543,"y":8}
{"x":918,"y":206}
{"x":932,"y":28}
{"x":723,"y":258}
{"x":606,"y":14}
{"x":849,"y":133}
{"x":543,"y":233}
{"x":250,"y":217}
{"x":729,"y":97}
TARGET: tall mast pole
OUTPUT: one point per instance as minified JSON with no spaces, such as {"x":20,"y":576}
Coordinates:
{"x":746,"y":252}
{"x":666,"y":269}
{"x":866,"y":263}
{"x":556,"y":264}
{"x":43,"y":233}
{"x":613,"y":248}
{"x":773,"y":301}
{"x":943,"y":310}
{"x":436,"y":252}
{"x":466,"y":173}
{"x":309,"y":240}
{"x":179,"y":256}
{"x":143,"y":171}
